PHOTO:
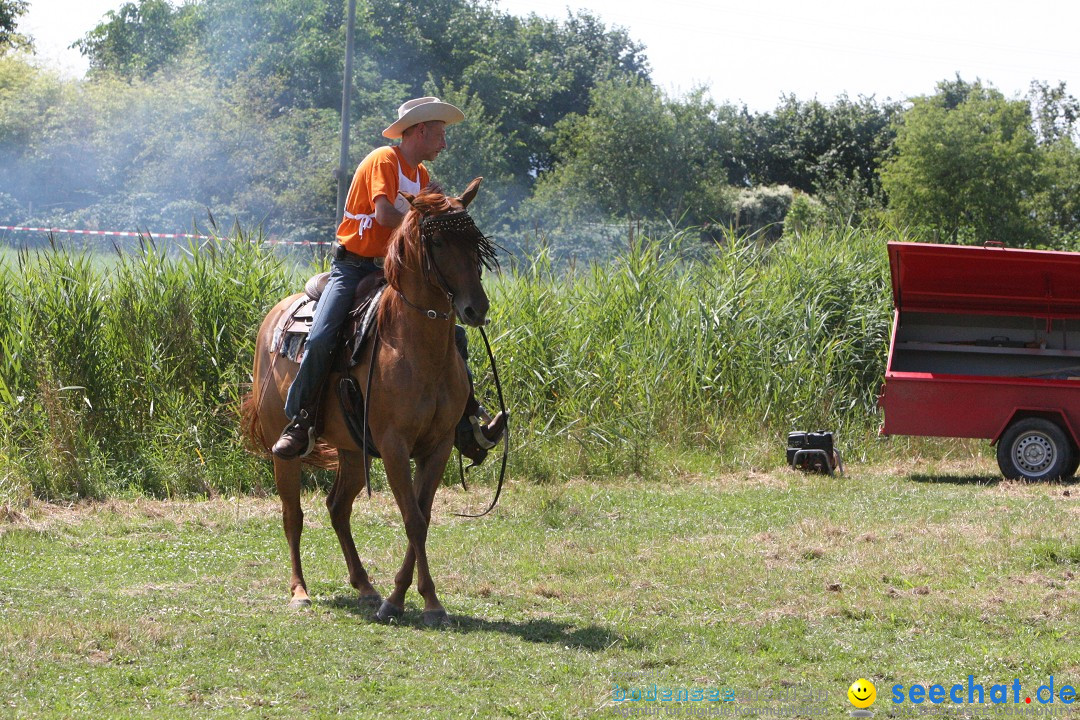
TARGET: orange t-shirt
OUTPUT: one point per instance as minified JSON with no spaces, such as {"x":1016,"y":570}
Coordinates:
{"x":376,"y":175}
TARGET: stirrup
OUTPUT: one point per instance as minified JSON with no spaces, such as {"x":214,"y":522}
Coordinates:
{"x":486,"y":421}
{"x":478,"y":434}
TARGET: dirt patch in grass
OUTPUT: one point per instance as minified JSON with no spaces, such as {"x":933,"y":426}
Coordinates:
{"x":98,"y":642}
{"x":41,"y":516}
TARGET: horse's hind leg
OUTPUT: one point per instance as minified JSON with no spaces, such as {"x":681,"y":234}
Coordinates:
{"x":339,"y":502}
{"x":287,"y":478}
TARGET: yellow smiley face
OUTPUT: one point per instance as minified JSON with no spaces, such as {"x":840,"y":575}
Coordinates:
{"x":862,"y":693}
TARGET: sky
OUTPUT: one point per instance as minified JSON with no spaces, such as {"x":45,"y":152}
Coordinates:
{"x":754,"y":52}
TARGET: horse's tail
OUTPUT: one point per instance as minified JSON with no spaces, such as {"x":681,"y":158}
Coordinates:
{"x":250,"y":427}
{"x":322,"y":456}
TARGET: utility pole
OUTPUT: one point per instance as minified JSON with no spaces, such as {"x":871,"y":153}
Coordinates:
{"x":346,"y":100}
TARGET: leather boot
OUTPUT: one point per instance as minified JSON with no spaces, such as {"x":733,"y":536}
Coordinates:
{"x":297,"y":439}
{"x":477,"y":432}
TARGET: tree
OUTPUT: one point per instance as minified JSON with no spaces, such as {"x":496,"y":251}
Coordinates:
{"x":1057,"y":204}
{"x":56,"y":168}
{"x":530,"y":71}
{"x":638,"y":154}
{"x":10,"y":10}
{"x":808,"y":145}
{"x":477,"y":148}
{"x":229,"y":105}
{"x":966,"y":166}
{"x":293,"y":49}
{"x":1056,"y":119}
{"x":139,"y":39}
{"x":1055,"y":112}
{"x":573,"y":56}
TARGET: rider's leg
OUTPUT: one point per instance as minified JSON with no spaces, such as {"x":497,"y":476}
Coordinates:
{"x":332,"y":310}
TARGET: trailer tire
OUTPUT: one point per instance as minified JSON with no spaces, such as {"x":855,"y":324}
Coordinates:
{"x":1034,"y":448}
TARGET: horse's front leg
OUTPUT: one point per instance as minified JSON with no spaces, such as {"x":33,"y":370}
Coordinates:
{"x":415,"y":502}
{"x":287,"y":479}
{"x":339,"y":501}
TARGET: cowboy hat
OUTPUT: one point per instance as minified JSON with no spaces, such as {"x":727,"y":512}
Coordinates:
{"x":425,"y":109}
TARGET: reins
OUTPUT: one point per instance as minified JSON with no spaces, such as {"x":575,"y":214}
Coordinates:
{"x":367,"y":399}
{"x":505,"y":440}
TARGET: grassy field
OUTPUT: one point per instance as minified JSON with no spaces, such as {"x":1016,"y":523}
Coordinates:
{"x":750,"y":583}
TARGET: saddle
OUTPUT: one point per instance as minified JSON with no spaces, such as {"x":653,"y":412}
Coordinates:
{"x":294,"y":326}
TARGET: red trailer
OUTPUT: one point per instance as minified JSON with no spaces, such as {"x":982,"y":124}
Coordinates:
{"x":986,"y":344}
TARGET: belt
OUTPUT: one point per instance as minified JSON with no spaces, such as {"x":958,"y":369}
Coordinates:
{"x":340,"y":253}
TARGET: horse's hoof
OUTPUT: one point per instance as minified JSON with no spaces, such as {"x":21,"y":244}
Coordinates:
{"x":299,"y":603}
{"x":370,"y":601}
{"x":388,"y":613}
{"x":436,"y":618}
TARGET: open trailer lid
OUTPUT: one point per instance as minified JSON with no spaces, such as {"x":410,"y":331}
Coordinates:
{"x":991,"y":279}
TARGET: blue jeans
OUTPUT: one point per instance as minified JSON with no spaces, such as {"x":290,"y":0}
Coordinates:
{"x":333,"y":309}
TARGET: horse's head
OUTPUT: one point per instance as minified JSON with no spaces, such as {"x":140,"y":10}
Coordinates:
{"x":439,"y":238}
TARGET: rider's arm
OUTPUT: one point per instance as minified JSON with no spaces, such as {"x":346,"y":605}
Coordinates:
{"x":386,"y":214}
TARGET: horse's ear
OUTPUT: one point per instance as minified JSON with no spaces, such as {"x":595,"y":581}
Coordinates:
{"x":409,"y":197}
{"x":470,"y":192}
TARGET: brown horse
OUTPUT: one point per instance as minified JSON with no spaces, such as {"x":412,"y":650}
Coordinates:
{"x":418,"y":392}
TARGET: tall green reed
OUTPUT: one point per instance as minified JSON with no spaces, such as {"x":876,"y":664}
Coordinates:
{"x":124,"y":377}
{"x":608,"y":365}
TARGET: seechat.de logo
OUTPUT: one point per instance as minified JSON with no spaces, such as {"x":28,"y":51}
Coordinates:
{"x":862,"y":695}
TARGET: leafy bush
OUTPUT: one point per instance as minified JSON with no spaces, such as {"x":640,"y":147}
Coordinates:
{"x":761,"y":209}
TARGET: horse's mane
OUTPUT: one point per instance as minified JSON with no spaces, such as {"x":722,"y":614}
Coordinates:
{"x":405,"y":246}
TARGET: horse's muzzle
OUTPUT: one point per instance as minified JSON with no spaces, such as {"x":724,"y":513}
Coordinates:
{"x":471,"y":317}
{"x":473,"y":314}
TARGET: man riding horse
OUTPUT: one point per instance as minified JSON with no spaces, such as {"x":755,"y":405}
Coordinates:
{"x":373,"y":209}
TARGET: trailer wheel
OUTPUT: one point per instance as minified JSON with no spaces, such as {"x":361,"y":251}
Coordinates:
{"x":1035,"y":449}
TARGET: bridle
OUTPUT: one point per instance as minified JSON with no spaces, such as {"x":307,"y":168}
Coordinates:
{"x":458,"y":222}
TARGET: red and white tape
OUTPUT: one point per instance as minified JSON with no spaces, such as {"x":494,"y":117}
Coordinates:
{"x":272,"y":241}
{"x":118,"y":233}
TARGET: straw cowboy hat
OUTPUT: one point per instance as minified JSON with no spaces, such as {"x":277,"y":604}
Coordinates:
{"x":425,"y":109}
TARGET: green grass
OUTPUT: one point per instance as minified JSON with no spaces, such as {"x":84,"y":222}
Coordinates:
{"x":924,"y":572}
